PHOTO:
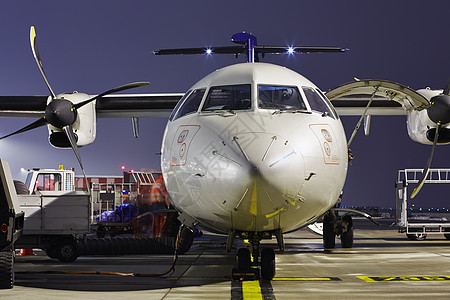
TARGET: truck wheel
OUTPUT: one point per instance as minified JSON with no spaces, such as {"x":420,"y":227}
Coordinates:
{"x":51,"y":252}
{"x":67,"y":251}
{"x":7,"y":268}
{"x":416,"y":236}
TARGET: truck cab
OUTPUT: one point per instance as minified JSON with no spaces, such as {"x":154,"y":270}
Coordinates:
{"x":50,"y":180}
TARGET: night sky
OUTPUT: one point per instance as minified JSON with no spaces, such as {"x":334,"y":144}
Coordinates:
{"x":92,"y":46}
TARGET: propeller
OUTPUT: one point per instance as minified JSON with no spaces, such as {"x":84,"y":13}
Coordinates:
{"x":62,"y":113}
{"x":439,"y":113}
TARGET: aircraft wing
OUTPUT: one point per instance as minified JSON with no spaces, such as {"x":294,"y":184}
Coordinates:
{"x":390,"y":98}
{"x":349,"y":99}
{"x":110,"y":106}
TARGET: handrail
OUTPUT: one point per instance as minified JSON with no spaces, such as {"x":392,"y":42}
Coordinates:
{"x":434,"y":176}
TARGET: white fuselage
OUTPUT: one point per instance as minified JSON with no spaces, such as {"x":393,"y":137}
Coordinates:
{"x":254,"y":168}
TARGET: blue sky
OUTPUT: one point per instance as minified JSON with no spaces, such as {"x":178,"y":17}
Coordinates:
{"x":92,"y":46}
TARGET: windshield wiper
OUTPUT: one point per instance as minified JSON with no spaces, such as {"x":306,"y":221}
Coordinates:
{"x":293,"y":111}
{"x":223,"y":112}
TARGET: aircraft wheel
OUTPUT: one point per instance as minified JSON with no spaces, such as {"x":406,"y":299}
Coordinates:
{"x":243,"y":261}
{"x":447,"y":233}
{"x":67,"y":250}
{"x":416,"y":236}
{"x":267,"y":264}
{"x":347,"y":237}
{"x":329,"y":237}
{"x":7,"y":268}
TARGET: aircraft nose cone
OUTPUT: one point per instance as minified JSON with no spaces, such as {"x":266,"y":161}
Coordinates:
{"x":275,"y":171}
{"x":268,"y":154}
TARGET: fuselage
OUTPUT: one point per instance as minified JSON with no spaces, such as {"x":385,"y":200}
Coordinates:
{"x":254,"y":147}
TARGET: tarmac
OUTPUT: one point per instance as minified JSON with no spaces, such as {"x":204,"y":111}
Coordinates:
{"x":382,"y":264}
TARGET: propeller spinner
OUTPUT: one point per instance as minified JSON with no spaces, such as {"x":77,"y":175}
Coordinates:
{"x":62,"y":113}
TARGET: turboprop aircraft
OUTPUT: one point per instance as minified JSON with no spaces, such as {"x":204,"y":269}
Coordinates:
{"x":252,"y":150}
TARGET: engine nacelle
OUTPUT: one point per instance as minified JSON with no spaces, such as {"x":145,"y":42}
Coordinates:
{"x":85,"y":127}
{"x":421,"y":128}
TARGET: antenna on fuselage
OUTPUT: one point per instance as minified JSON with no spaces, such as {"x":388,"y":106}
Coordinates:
{"x":249,"y":41}
{"x":247,"y":44}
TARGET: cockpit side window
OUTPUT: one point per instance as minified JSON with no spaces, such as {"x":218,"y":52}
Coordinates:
{"x":333,"y":109}
{"x":280,"y":97}
{"x":174,"y":111}
{"x":316,"y":102}
{"x":191,"y":104}
{"x":231,"y":97}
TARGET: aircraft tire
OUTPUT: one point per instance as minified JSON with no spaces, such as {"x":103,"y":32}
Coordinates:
{"x":243,"y":261}
{"x":347,"y":237}
{"x":7,"y":268}
{"x":267,"y":264}
{"x":329,"y":237}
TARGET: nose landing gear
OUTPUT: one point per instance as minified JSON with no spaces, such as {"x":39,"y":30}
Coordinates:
{"x":256,"y":265}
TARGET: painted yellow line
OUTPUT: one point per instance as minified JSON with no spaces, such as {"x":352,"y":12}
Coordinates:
{"x":274,"y":279}
{"x":251,"y":290}
{"x":253,"y":205}
{"x":404,"y":278}
{"x":305,"y":279}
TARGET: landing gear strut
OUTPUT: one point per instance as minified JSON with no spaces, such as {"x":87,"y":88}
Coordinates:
{"x":255,"y":264}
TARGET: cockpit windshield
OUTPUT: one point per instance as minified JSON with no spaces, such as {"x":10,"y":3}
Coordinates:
{"x":280,"y":97}
{"x":231,"y":97}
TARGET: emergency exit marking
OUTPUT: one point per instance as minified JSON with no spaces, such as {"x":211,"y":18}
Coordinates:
{"x":404,"y":278}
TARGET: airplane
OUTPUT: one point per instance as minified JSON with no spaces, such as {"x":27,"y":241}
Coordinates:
{"x":253,"y":150}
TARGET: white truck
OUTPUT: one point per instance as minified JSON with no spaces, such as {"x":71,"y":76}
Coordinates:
{"x":54,"y":213}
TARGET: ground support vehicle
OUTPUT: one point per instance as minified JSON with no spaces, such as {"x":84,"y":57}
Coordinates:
{"x":53,"y":222}
{"x":11,"y":225}
{"x":49,"y":214}
{"x":413,"y":221}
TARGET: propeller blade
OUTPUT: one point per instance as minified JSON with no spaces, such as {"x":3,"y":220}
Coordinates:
{"x":72,"y":139}
{"x":447,"y":88}
{"x":427,"y":168}
{"x":38,"y":123}
{"x":38,"y":60}
{"x":114,"y":90}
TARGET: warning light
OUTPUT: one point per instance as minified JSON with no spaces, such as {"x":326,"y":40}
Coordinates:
{"x":123,"y":168}
{"x":4,"y":228}
{"x":132,"y":171}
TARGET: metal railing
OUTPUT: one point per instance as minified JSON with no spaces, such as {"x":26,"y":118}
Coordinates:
{"x":107,"y":198}
{"x":434,"y":176}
